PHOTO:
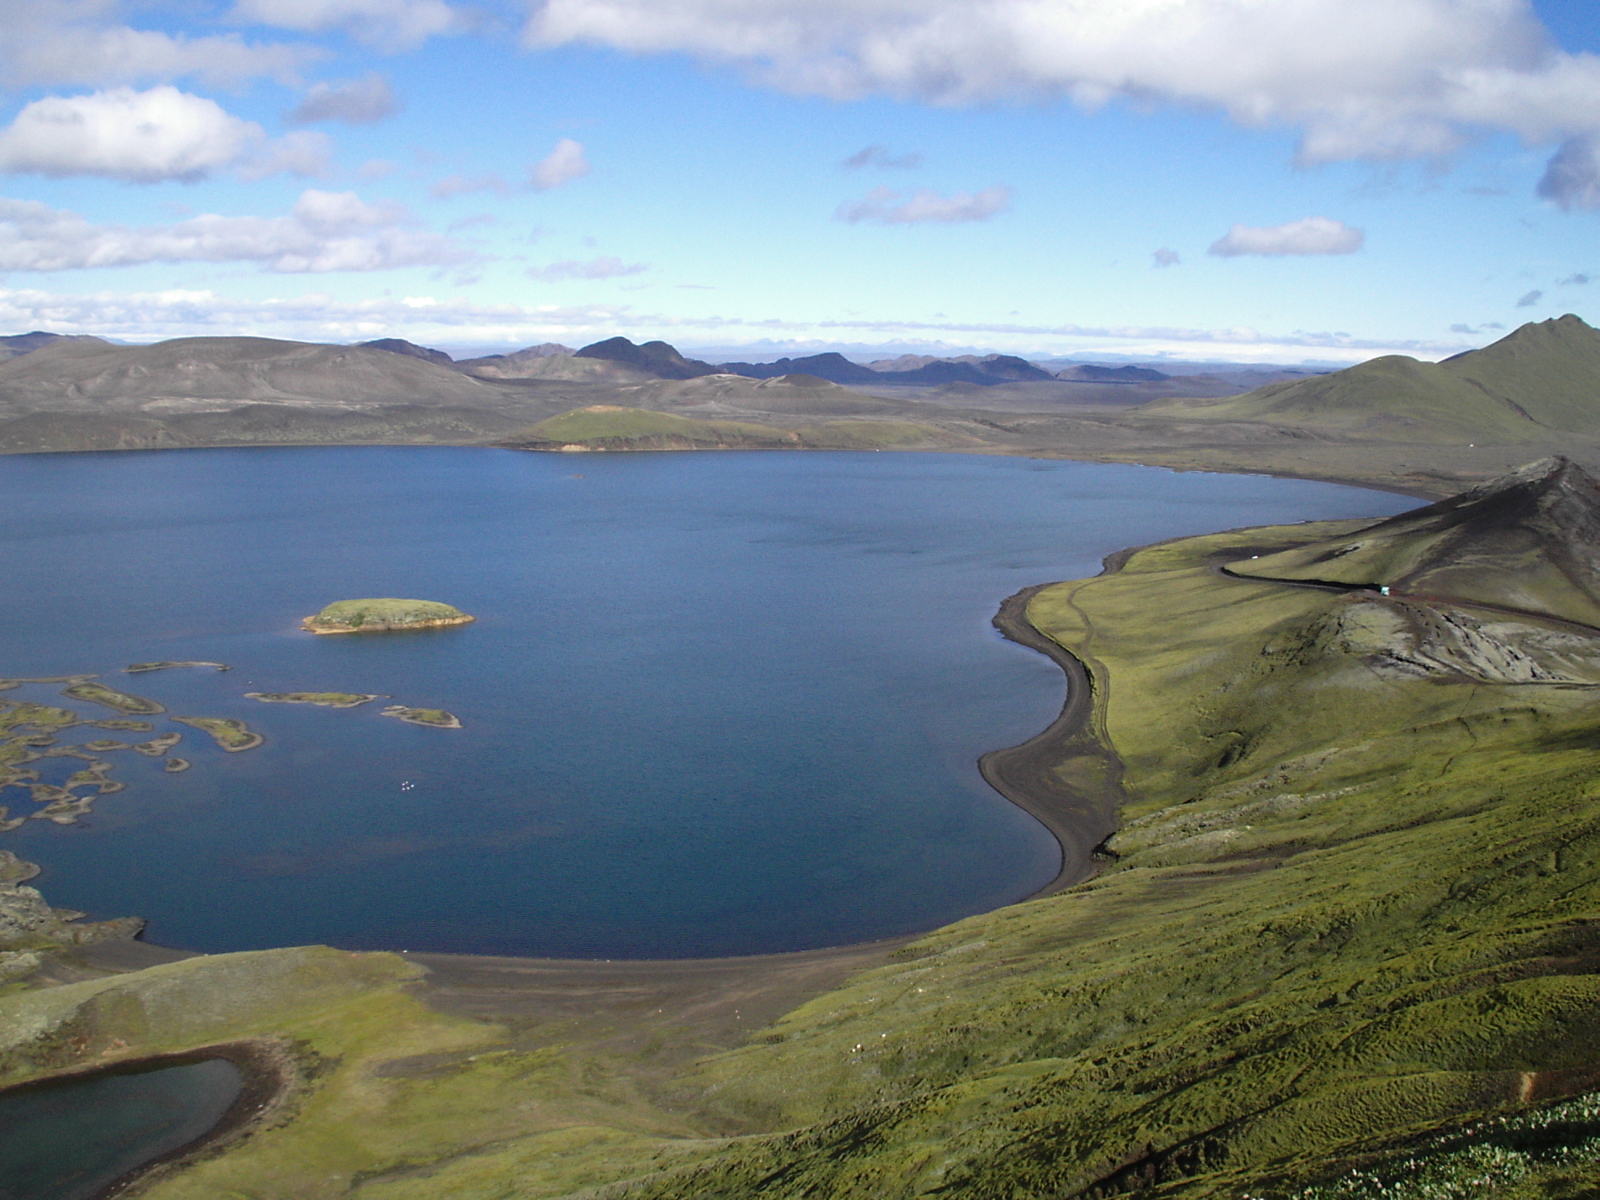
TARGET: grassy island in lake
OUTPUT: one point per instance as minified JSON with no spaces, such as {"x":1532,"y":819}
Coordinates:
{"x":231,"y":735}
{"x":377,"y":616}
{"x":320,"y":699}
{"x":436,"y":717}
{"x":98,"y":693}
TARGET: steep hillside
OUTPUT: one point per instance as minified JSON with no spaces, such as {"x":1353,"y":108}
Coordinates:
{"x":1539,"y":380}
{"x":1529,"y":541}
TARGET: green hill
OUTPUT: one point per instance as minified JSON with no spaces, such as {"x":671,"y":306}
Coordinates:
{"x":1541,"y":378}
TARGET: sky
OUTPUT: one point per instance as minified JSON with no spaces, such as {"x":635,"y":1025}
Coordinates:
{"x":1244,"y":180}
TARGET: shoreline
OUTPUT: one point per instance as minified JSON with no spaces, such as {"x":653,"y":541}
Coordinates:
{"x":1079,"y":818}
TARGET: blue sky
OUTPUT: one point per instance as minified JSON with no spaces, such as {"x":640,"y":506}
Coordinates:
{"x":1275,"y":180}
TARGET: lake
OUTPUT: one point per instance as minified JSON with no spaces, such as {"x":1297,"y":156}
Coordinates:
{"x":717,"y":703}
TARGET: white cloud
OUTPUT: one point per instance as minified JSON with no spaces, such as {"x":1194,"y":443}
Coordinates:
{"x":355,"y":101}
{"x":886,"y":206}
{"x":879,"y":156}
{"x":140,"y":137}
{"x":599,"y":268}
{"x":562,"y":165}
{"x":390,"y":24}
{"x":1572,"y":180}
{"x":1165,"y":257}
{"x":325,"y":231}
{"x":301,"y":153}
{"x":74,"y":43}
{"x":1529,"y":300}
{"x":1381,"y":79}
{"x":1312,"y":235}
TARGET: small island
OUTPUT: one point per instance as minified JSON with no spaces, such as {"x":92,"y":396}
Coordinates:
{"x":231,"y":735}
{"x":379,"y":616}
{"x":435,"y":717}
{"x":320,"y":699}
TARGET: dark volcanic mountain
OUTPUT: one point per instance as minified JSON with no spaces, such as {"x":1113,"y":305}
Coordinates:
{"x":914,"y":370}
{"x":1089,"y":373}
{"x":1528,"y":541}
{"x":835,"y":368}
{"x":19,"y":344}
{"x":657,"y":358}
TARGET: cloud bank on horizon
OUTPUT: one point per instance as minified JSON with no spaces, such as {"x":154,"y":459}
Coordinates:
{"x":1405,"y":169}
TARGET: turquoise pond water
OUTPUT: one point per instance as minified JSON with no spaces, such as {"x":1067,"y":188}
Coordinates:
{"x":70,"y":1139}
{"x":714,"y":703}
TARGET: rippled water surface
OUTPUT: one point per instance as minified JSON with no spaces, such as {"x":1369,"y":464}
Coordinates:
{"x":713,"y":703}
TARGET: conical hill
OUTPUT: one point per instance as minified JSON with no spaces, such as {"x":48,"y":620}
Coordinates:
{"x":1528,"y":541}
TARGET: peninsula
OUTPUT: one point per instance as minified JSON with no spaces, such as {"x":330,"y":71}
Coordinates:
{"x":385,"y":615}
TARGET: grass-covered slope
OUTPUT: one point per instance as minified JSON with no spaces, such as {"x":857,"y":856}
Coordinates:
{"x":1539,"y":379}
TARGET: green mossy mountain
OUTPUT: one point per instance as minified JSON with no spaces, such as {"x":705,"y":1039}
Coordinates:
{"x":1539,"y":379}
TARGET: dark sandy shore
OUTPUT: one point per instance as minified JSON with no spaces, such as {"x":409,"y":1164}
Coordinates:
{"x":1080,"y":814}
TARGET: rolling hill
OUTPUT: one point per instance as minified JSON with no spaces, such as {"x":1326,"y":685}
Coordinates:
{"x":1541,"y":379}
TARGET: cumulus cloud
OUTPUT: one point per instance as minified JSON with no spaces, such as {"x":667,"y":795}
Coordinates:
{"x":325,"y":231}
{"x":562,"y":165}
{"x":887,"y":207}
{"x":390,"y":24}
{"x":72,"y":43}
{"x":1573,"y":279}
{"x":879,"y":156}
{"x":1165,"y":257}
{"x":1572,"y":180}
{"x":1378,"y":79}
{"x":1529,"y":300}
{"x":599,"y":268}
{"x":355,"y":101}
{"x":139,"y":137}
{"x":1311,"y":235}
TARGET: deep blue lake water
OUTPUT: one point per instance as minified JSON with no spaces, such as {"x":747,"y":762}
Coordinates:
{"x":713,"y":703}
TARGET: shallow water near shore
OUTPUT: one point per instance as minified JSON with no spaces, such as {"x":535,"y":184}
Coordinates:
{"x":719,"y":703}
{"x":70,"y":1139}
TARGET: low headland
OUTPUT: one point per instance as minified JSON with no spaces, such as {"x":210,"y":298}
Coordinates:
{"x":383,"y":616}
{"x":1341,"y":939}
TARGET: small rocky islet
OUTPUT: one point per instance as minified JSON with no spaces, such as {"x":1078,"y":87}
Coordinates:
{"x":385,"y":615}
